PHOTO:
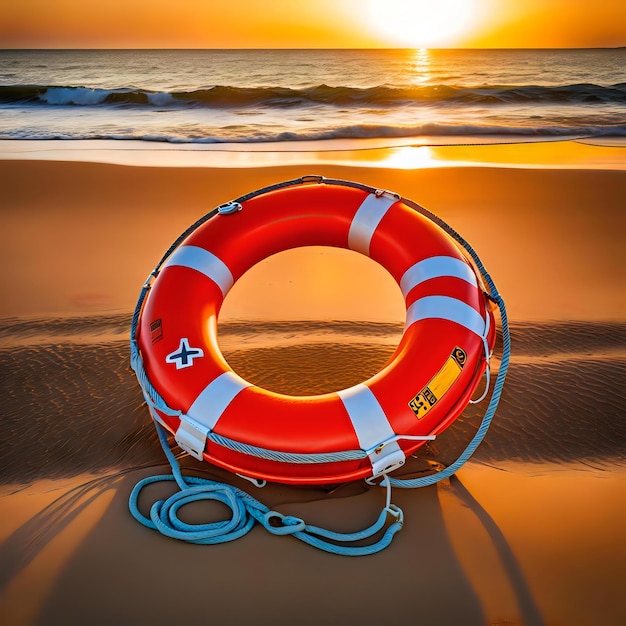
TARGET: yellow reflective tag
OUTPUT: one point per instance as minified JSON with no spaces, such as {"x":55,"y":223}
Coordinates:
{"x":439,"y":384}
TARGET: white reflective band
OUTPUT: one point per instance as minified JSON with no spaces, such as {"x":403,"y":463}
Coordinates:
{"x":205,"y":262}
{"x":215,"y":398}
{"x":372,"y":428}
{"x":206,"y":410}
{"x":446,"y":308}
{"x":436,"y":267}
{"x":366,"y":220}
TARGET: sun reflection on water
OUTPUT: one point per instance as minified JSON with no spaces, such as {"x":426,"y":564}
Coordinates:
{"x":420,"y":66}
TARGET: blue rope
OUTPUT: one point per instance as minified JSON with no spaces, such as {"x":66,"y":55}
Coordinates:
{"x":246,"y":511}
{"x":495,"y":297}
{"x":432,"y":479}
{"x":287,"y":457}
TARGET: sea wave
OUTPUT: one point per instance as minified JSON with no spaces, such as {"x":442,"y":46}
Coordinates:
{"x":246,"y":115}
{"x":384,"y":96}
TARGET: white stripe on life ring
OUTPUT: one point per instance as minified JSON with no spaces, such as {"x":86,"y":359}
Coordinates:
{"x":366,"y":220}
{"x":206,"y":410}
{"x":446,"y":308}
{"x":436,"y":267}
{"x":213,"y":400}
{"x":203,"y":261}
{"x":372,"y":428}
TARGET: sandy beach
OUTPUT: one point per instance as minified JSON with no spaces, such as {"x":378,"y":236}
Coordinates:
{"x":529,"y":532}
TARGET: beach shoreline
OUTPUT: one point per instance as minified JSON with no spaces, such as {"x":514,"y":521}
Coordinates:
{"x":410,"y":153}
{"x":508,"y":541}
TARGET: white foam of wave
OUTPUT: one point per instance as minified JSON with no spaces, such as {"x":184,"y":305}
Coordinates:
{"x":74,"y":95}
{"x":161,"y":99}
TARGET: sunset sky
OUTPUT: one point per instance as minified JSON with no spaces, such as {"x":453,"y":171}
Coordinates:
{"x":312,"y":23}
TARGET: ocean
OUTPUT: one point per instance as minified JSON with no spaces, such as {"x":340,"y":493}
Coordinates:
{"x":289,"y":96}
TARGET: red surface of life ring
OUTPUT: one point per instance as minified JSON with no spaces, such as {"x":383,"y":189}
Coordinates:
{"x":365,"y":431}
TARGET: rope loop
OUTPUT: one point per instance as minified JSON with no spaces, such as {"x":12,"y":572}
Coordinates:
{"x":165,"y":519}
{"x":397,"y":512}
{"x":246,"y":511}
{"x":289,"y":524}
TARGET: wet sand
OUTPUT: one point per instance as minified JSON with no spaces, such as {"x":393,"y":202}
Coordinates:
{"x":529,"y":532}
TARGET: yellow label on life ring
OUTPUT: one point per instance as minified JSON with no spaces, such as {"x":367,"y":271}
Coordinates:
{"x":439,"y":384}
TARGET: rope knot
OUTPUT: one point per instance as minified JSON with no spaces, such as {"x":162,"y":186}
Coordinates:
{"x":289,"y":524}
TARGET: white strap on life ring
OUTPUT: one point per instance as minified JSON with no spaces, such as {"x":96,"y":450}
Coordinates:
{"x":206,"y":410}
{"x":436,"y":267}
{"x":205,"y":262}
{"x":446,"y":308}
{"x":366,"y":220}
{"x":373,"y":430}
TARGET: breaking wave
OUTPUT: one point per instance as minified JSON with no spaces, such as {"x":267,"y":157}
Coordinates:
{"x":340,"y":96}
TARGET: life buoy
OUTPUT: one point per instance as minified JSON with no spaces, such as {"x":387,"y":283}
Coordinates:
{"x":364,"y":431}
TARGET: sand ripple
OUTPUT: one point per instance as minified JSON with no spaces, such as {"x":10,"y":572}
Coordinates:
{"x":69,"y":402}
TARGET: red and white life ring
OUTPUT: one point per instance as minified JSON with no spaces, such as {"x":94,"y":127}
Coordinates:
{"x":366,"y":430}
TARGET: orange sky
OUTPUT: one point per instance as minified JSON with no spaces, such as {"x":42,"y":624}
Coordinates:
{"x":308,"y":24}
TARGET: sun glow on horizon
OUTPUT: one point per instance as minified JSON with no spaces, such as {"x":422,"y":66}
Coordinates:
{"x":313,"y":24}
{"x":423,"y":23}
